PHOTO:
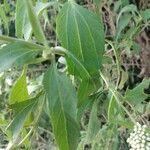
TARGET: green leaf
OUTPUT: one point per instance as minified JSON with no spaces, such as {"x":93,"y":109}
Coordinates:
{"x":129,"y":8}
{"x":39,"y":8}
{"x":21,"y":12}
{"x":125,"y":2}
{"x":112,"y":109}
{"x":4,"y":18}
{"x":145,"y":14}
{"x":36,"y":27}
{"x":81,"y":32}
{"x":97,"y":2}
{"x":19,"y":91}
{"x":62,"y":105}
{"x":123,"y":22}
{"x":19,"y":106}
{"x":88,"y":84}
{"x":18,"y":122}
{"x":137,"y":94}
{"x":17,"y":53}
{"x":123,"y":80}
{"x":94,"y":124}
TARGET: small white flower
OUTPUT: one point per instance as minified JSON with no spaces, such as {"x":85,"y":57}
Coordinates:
{"x":148,"y":138}
{"x":139,"y":139}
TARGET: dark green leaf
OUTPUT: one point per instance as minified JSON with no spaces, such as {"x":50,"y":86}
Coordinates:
{"x":81,"y":32}
{"x":18,"y":122}
{"x":62,"y":104}
{"x":18,"y":53}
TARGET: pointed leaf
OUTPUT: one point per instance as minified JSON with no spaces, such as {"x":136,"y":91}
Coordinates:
{"x":17,"y":53}
{"x":123,"y":22}
{"x":62,"y":104}
{"x":36,"y":27}
{"x":21,"y":13}
{"x":81,"y":32}
{"x":18,"y":122}
{"x":94,"y":123}
{"x":137,"y":94}
{"x":19,"y":91}
{"x":38,"y":10}
{"x":4,"y":18}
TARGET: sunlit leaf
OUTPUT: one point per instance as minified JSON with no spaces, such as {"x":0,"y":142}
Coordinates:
{"x":19,"y":91}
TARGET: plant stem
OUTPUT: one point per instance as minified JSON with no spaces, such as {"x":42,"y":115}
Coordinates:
{"x":117,"y":62}
{"x":115,"y":94}
{"x":8,"y":39}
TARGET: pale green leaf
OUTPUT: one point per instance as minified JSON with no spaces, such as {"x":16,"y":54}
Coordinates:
{"x":145,"y":14}
{"x":137,"y":94}
{"x":124,"y":78}
{"x":94,"y":124}
{"x":97,"y":2}
{"x":19,"y":91}
{"x":123,"y":22}
{"x":62,"y":105}
{"x":125,"y":2}
{"x":36,"y":27}
{"x":112,"y":109}
{"x":4,"y":18}
{"x":21,"y":12}
{"x":39,"y":8}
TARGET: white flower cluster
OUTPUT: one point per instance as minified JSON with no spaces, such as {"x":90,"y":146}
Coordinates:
{"x":139,"y":139}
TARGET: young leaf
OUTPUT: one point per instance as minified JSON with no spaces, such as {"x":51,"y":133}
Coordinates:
{"x":36,"y":27}
{"x":145,"y":14}
{"x":18,"y":122}
{"x":113,"y":110}
{"x":81,"y":32}
{"x":62,"y":104}
{"x":21,"y":12}
{"x":19,"y":91}
{"x":17,"y":53}
{"x":94,"y":124}
{"x":123,"y":22}
{"x":38,"y":10}
{"x":137,"y":94}
{"x":4,"y":18}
